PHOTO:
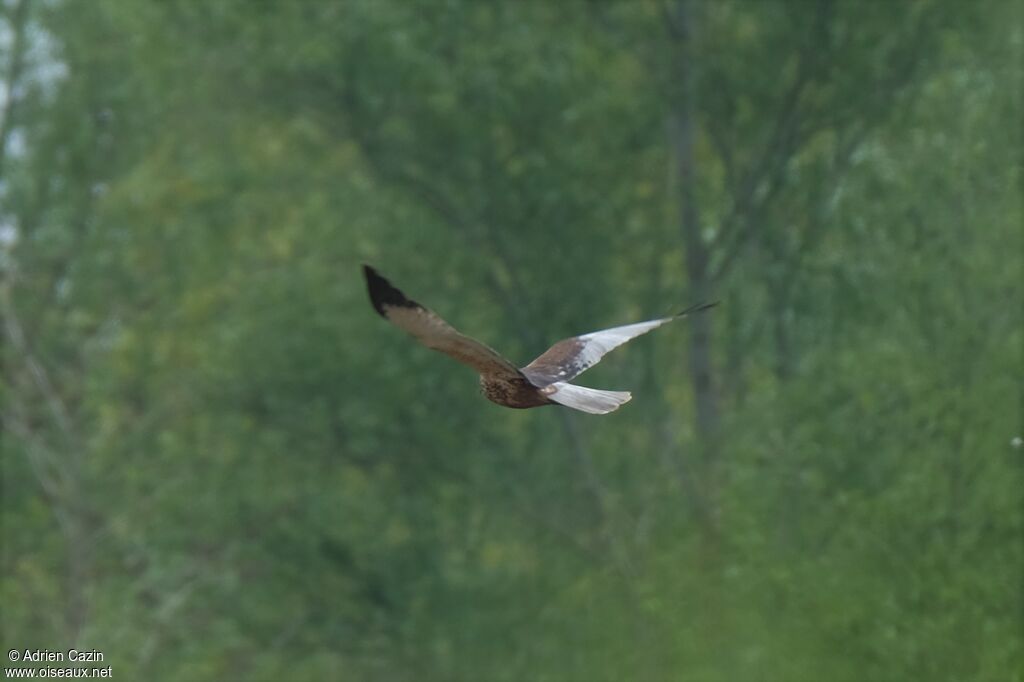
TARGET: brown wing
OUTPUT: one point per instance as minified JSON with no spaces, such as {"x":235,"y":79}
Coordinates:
{"x":433,"y":332}
{"x":571,"y":357}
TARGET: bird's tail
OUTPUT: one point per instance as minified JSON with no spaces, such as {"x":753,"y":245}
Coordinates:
{"x":589,"y":399}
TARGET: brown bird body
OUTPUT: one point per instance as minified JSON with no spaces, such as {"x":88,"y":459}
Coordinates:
{"x":545,"y":381}
{"x":515,"y":392}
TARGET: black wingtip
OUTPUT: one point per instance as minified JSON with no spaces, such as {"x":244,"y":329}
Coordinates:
{"x":697,"y":308}
{"x":382,"y":293}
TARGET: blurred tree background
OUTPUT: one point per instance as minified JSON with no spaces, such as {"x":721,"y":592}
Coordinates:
{"x":219,"y":463}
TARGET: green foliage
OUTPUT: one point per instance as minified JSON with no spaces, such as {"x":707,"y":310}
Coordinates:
{"x":219,"y":463}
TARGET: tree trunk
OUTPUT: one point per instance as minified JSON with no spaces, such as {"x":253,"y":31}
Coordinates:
{"x":698,"y":270}
{"x":17,"y":29}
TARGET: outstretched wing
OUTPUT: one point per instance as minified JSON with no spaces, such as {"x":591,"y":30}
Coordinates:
{"x":429,"y":329}
{"x":571,"y":357}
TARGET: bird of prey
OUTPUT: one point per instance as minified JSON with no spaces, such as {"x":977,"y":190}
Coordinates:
{"x":545,"y":381}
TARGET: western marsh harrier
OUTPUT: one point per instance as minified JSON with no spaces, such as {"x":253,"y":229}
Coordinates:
{"x":545,"y":381}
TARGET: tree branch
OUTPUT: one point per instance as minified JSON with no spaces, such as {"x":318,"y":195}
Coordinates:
{"x":12,"y":77}
{"x":725,"y":152}
{"x":42,"y":461}
{"x":40,"y":377}
{"x":782,"y":143}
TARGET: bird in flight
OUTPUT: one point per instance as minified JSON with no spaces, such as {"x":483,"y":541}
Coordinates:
{"x":545,"y":381}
